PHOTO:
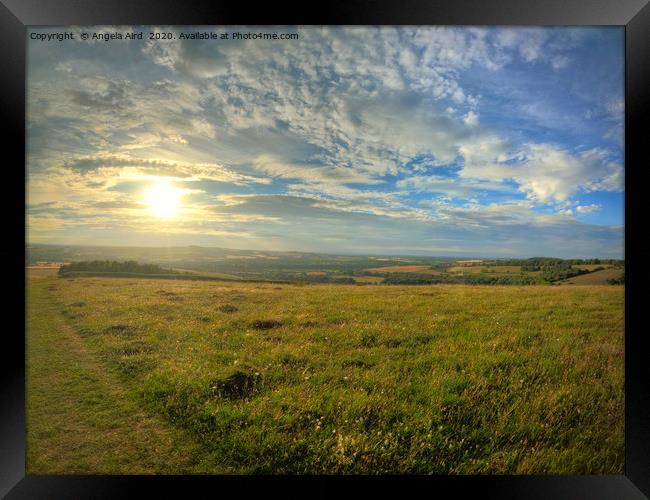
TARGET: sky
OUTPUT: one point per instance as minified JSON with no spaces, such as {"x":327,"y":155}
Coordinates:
{"x":457,"y":141}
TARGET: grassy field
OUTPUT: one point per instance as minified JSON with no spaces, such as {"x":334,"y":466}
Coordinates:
{"x":148,"y":375}
{"x":209,"y":274}
{"x":595,"y":278}
{"x":592,"y":267}
{"x":403,"y":269}
{"x":488,"y":269}
{"x":374,"y":280}
{"x":79,"y":418}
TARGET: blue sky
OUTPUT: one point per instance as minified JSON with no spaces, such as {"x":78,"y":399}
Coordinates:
{"x":458,"y":141}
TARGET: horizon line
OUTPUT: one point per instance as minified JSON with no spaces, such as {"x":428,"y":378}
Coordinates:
{"x":359,"y":254}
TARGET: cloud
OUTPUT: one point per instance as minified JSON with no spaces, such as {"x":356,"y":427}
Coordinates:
{"x":587,"y":209}
{"x":115,"y":112}
{"x":537,"y":44}
{"x":470,"y":118}
{"x":130,"y":167}
{"x":560,"y":62}
{"x":452,"y":187}
{"x":104,"y":95}
{"x":446,"y":132}
{"x":196,"y":59}
{"x":203,"y":127}
{"x":485,"y":148}
{"x":548,"y":173}
{"x":321,"y":174}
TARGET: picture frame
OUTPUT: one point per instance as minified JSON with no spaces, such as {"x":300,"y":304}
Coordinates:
{"x":17,"y":15}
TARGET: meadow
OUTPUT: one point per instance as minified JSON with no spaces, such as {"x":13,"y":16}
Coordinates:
{"x":600,"y":277}
{"x":138,"y":375}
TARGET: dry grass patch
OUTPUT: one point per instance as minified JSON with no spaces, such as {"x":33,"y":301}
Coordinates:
{"x":404,"y":269}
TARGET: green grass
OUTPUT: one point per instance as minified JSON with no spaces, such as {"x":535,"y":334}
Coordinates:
{"x":443,"y":379}
{"x":596,"y":277}
{"x":79,"y":417}
{"x":591,"y":267}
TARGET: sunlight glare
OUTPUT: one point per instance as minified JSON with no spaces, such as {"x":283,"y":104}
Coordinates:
{"x":163,"y":199}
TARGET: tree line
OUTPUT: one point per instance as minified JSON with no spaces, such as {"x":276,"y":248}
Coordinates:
{"x":539,"y":262}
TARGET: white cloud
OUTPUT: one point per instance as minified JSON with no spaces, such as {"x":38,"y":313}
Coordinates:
{"x":336,"y":108}
{"x":450,"y":187}
{"x":533,"y":45}
{"x":311,"y":173}
{"x":587,"y":209}
{"x":485,"y":148}
{"x":203,"y":127}
{"x":471,"y":119}
{"x":182,"y":56}
{"x":547,"y":173}
{"x":560,"y":62}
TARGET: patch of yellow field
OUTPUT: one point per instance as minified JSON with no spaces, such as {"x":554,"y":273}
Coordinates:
{"x":403,"y":269}
{"x":485,"y":269}
{"x":595,"y":278}
{"x":591,"y":267}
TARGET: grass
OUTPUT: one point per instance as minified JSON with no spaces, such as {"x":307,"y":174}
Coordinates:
{"x":79,"y":417}
{"x":443,"y":379}
{"x":591,"y":267}
{"x":225,"y":276}
{"x":596,"y":277}
{"x":466,"y":269}
{"x":373,"y":280}
{"x":483,"y":269}
{"x":403,"y":269}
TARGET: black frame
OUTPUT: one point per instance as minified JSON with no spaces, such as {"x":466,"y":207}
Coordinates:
{"x":16,"y":15}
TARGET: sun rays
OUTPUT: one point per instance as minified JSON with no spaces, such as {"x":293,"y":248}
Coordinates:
{"x":163,"y":200}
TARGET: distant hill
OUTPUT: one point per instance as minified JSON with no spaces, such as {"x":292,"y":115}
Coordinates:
{"x":321,"y":268}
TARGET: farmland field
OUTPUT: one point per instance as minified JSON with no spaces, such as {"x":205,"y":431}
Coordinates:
{"x":488,"y":269}
{"x":592,"y":267}
{"x":152,"y":376}
{"x":403,"y":269}
{"x":596,"y":277}
{"x":248,"y":265}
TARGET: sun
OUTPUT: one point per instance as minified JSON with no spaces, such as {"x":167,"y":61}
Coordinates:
{"x":163,"y":200}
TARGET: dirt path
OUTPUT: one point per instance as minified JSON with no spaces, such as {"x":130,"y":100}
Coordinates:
{"x":79,"y":419}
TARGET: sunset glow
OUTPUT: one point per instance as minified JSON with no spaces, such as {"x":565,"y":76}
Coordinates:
{"x":409,"y":140}
{"x":163,"y":200}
